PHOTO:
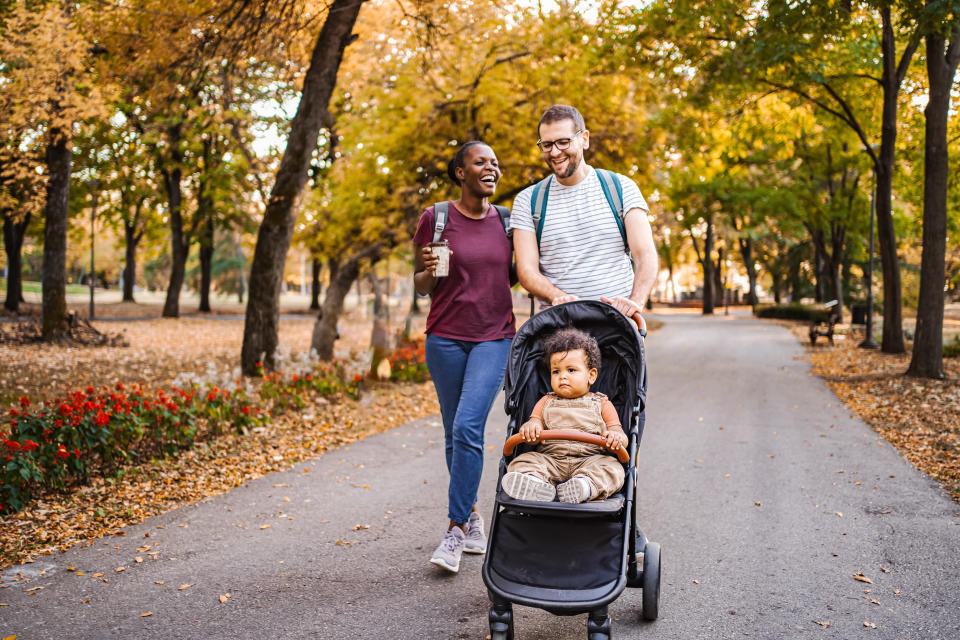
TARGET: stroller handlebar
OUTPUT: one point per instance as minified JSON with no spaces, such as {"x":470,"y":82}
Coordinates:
{"x":566,"y":434}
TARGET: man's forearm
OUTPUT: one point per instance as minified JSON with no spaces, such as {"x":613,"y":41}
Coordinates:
{"x":534,"y":282}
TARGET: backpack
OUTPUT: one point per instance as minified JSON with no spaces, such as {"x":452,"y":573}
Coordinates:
{"x":441,"y":211}
{"x":612,"y":191}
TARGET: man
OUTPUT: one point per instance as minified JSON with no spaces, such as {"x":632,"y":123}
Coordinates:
{"x":581,"y":252}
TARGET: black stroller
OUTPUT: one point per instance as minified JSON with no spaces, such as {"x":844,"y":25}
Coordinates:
{"x":572,"y":558}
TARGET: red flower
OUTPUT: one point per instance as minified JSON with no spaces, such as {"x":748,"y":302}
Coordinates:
{"x":101,"y":419}
{"x":246,"y":411}
{"x":211,"y":396}
{"x":24,"y":402}
{"x":118,"y":386}
{"x":357,"y":378}
{"x":90,"y":391}
{"x":62,"y":453}
{"x":29,"y":445}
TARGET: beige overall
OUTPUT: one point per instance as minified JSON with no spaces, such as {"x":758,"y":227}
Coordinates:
{"x":559,"y":460}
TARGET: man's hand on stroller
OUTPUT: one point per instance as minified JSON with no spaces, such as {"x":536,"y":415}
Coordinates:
{"x":530,"y":431}
{"x":615,"y":439}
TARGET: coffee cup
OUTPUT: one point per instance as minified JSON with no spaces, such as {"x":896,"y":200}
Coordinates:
{"x":441,"y":250}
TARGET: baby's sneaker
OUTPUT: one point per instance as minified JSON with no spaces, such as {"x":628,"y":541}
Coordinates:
{"x":524,"y":486}
{"x":575,"y":490}
{"x":476,"y":541}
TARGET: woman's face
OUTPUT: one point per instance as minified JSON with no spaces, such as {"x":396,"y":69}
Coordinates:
{"x":480,"y":172}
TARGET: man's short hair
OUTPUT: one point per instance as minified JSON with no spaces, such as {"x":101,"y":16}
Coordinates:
{"x":562,"y":112}
{"x":570,"y":339}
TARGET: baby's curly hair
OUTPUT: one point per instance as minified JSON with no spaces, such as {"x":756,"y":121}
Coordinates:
{"x":570,"y":339}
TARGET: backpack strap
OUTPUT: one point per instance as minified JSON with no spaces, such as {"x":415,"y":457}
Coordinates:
{"x":504,"y":214}
{"x":538,"y":204}
{"x":613,"y":192}
{"x":440,"y":212}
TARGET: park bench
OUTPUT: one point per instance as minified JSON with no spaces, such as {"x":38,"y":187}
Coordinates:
{"x":823,"y":320}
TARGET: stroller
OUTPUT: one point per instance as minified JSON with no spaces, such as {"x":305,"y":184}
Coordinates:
{"x":572,"y":558}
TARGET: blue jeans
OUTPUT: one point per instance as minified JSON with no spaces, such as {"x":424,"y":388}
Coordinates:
{"x":467,"y":377}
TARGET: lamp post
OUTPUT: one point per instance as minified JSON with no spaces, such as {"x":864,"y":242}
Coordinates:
{"x":868,"y":341}
{"x":94,"y":185}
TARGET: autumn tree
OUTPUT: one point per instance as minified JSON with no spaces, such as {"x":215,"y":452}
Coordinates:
{"x":276,"y":229}
{"x":50,"y":85}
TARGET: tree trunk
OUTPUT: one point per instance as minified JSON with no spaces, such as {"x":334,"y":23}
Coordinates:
{"x":315,"y":287}
{"x":325,"y":328}
{"x":205,"y":240}
{"x":746,"y":252}
{"x":892,"y":78}
{"x":927,"y":357}
{"x":719,"y":279}
{"x":56,"y":214}
{"x":179,"y":241}
{"x":379,"y":340}
{"x":13,"y":233}
{"x":707,"y":264}
{"x":818,"y":267}
{"x":132,"y":239}
{"x":276,"y":229}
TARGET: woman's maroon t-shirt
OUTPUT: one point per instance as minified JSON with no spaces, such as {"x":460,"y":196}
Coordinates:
{"x":473,"y":303}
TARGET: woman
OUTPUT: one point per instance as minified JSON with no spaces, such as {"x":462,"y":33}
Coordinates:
{"x":469,"y":329}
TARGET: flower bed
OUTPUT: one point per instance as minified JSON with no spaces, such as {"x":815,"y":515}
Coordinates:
{"x":94,"y":432}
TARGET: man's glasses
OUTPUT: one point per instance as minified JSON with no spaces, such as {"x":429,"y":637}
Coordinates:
{"x":546,"y":146}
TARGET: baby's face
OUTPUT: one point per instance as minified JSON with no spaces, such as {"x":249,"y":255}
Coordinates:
{"x":570,"y":375}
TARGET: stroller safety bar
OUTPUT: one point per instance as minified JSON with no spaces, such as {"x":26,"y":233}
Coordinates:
{"x":565,"y":434}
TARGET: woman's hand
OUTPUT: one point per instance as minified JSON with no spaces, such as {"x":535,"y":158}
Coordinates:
{"x":615,"y":439}
{"x":430,"y":261}
{"x":530,"y":431}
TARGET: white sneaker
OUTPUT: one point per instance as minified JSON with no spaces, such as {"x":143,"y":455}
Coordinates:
{"x":524,"y":486}
{"x":575,"y":490}
{"x":447,"y":555}
{"x":476,"y":539}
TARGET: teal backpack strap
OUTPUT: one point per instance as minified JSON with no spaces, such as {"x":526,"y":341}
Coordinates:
{"x":538,"y":204}
{"x":613,"y":192}
{"x":440,"y":210}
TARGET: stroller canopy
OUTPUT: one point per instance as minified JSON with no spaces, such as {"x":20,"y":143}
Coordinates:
{"x":622,"y":368}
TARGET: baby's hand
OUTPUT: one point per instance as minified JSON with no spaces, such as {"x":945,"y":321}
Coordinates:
{"x":616,"y":439}
{"x":530,"y":431}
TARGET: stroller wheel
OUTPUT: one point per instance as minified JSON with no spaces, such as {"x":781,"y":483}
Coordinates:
{"x":651,"y":581}
{"x":501,"y":623}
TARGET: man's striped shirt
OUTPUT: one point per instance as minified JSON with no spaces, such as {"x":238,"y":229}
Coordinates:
{"x":581,"y":249}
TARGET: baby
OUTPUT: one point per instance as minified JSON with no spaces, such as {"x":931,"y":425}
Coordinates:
{"x":572,"y":471}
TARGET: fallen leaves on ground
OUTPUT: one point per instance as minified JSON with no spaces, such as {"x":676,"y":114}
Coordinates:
{"x":159,"y":353}
{"x":918,"y":416}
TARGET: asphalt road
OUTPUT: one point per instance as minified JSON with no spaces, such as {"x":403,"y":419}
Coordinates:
{"x":766,"y":494}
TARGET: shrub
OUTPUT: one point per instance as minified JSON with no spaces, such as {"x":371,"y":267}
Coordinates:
{"x":408,"y":362}
{"x":952,"y":348}
{"x":793,"y":311}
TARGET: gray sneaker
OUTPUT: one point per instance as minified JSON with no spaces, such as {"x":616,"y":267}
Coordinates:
{"x":575,"y":490}
{"x":447,"y":555}
{"x":476,"y":541}
{"x":524,"y":486}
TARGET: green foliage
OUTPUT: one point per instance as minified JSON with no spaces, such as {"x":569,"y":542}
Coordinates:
{"x":793,"y":311}
{"x":952,"y":349}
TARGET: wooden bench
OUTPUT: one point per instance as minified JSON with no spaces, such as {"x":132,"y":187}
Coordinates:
{"x":823,"y":322}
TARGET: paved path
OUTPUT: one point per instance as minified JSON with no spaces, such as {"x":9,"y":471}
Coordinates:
{"x":748,"y":463}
